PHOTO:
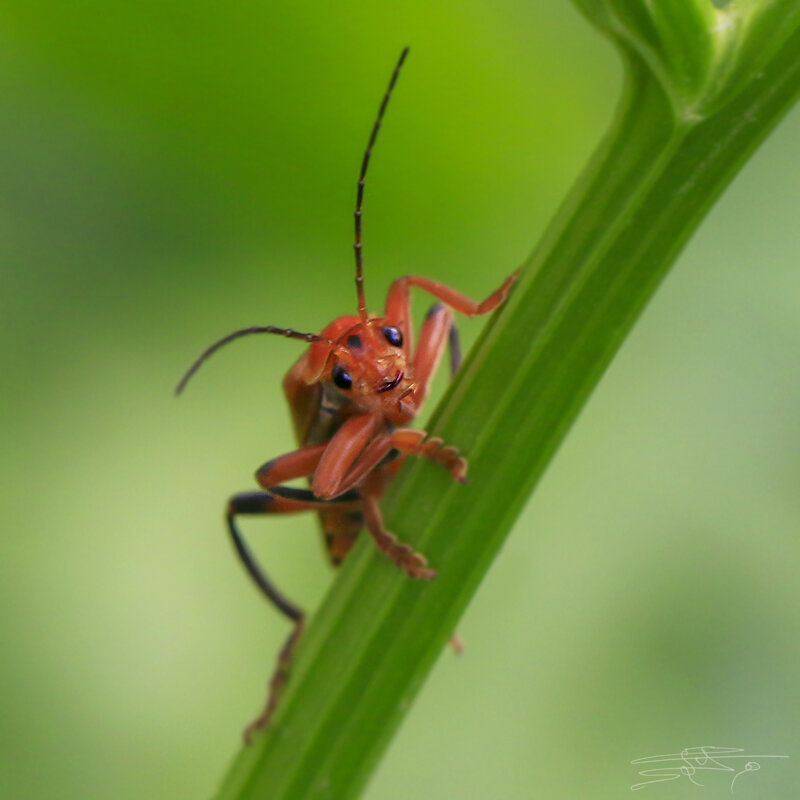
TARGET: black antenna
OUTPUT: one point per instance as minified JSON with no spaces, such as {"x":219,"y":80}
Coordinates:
{"x":288,"y":332}
{"x":362,"y":303}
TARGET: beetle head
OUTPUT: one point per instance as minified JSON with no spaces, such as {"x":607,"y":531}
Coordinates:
{"x":365,"y":363}
{"x":361,"y":356}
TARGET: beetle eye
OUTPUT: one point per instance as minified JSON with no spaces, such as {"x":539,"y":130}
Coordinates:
{"x":341,"y":378}
{"x":393,"y":336}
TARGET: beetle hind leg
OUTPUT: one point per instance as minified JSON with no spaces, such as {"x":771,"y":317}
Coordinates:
{"x":277,"y":682}
{"x":279,"y":500}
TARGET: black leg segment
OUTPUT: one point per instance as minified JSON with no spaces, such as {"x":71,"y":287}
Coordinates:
{"x":257,"y":503}
{"x":455,"y":349}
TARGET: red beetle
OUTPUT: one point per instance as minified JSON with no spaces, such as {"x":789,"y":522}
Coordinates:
{"x":351,"y":396}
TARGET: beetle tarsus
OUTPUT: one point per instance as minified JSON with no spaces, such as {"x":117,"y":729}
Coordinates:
{"x":277,"y":683}
{"x":456,"y":644}
{"x":412,"y":563}
{"x":413,"y":442}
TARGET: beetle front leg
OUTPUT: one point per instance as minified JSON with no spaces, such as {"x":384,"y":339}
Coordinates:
{"x":414,"y":442}
{"x":437,"y":330}
{"x":299,"y":463}
{"x":397,"y":301}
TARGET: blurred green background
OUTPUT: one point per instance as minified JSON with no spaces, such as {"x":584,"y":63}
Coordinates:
{"x":171,"y":172}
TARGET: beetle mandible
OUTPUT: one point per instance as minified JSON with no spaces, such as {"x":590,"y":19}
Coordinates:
{"x":351,"y":396}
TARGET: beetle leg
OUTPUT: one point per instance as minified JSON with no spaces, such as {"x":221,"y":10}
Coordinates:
{"x":277,"y":683}
{"x":280,"y":500}
{"x":285,"y":500}
{"x":405,"y":441}
{"x":456,"y":644}
{"x":300,"y":463}
{"x":350,"y":459}
{"x":437,"y":329}
{"x":413,"y":441}
{"x":398,"y":311}
{"x":455,"y":349}
{"x":364,"y":470}
{"x":356,"y":448}
{"x":414,"y":564}
{"x":257,"y":503}
{"x":397,"y":300}
{"x":297,"y":464}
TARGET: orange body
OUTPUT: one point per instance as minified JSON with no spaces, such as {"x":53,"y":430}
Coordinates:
{"x":388,"y":383}
{"x":352,"y":396}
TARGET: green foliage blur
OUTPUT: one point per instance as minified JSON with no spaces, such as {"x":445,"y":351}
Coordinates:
{"x":171,"y":172}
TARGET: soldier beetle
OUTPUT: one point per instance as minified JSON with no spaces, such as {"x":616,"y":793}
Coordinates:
{"x":351,"y":396}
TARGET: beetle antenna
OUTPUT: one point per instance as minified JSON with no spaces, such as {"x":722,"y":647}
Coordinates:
{"x":288,"y":332}
{"x":362,"y":303}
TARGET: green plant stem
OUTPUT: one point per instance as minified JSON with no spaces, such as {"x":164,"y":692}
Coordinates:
{"x":378,"y":633}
